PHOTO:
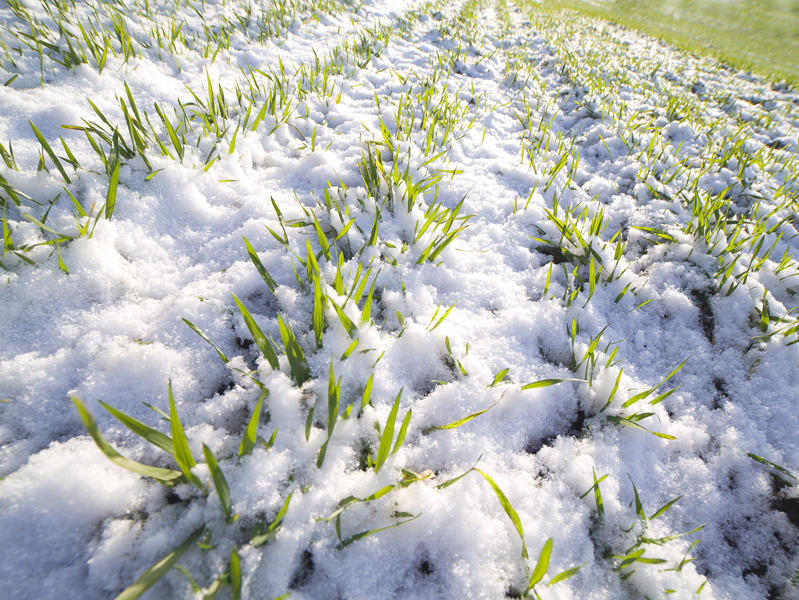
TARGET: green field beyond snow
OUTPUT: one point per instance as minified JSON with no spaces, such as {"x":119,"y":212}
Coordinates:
{"x":762,"y":35}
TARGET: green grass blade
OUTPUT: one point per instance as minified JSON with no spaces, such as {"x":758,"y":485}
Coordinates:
{"x":508,"y":508}
{"x":165,"y":476}
{"x":499,"y":377}
{"x":387,"y":435}
{"x":547,"y":382}
{"x":367,"y":393}
{"x":664,"y":508}
{"x":199,"y":332}
{"x":220,"y":483}
{"x":153,"y":436}
{"x":318,"y":311}
{"x":403,"y":430}
{"x":300,"y":371}
{"x":564,"y":575}
{"x":462,"y":421}
{"x":235,"y":574}
{"x":49,"y":151}
{"x":259,"y":266}
{"x":346,"y":322}
{"x":264,"y":345}
{"x":111,"y":195}
{"x":251,"y":433}
{"x":542,"y":565}
{"x":182,"y":452}
{"x":600,"y":506}
{"x":363,"y":534}
{"x":151,"y":576}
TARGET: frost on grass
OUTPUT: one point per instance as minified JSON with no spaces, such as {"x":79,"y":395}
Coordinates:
{"x":365,"y":301}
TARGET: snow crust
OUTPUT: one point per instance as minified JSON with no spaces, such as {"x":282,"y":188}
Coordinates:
{"x":74,"y":525}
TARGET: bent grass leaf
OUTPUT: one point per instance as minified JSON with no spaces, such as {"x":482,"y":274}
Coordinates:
{"x":631,"y":422}
{"x":664,"y":508}
{"x":403,"y":430}
{"x":547,"y":382}
{"x":259,"y":266}
{"x":541,"y":566}
{"x":318,"y":312}
{"x":363,"y":534}
{"x":153,"y":436}
{"x":499,"y":377}
{"x":508,"y":508}
{"x":235,"y":574}
{"x":49,"y":151}
{"x":349,"y":500}
{"x":462,"y":421}
{"x":182,"y":452}
{"x":387,"y":435}
{"x":346,"y":322}
{"x":300,"y":372}
{"x":783,"y":472}
{"x":151,"y":576}
{"x":220,"y":483}
{"x":251,"y":433}
{"x":271,"y":531}
{"x":167,"y":477}
{"x":199,"y":332}
{"x":264,"y":345}
{"x":111,"y":195}
{"x":367,"y":393}
{"x":564,"y":575}
{"x":647,"y":393}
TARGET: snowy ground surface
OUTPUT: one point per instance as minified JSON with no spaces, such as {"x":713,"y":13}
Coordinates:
{"x":448,"y":200}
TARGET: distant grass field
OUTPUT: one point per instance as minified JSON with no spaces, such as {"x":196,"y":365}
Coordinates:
{"x":761,"y":35}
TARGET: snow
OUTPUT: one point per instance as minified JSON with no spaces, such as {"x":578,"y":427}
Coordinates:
{"x":72,"y":524}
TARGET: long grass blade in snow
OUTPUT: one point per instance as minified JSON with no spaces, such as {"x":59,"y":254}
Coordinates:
{"x":349,"y":500}
{"x":300,"y":372}
{"x":111,"y":195}
{"x":220,"y":483}
{"x":367,"y":393}
{"x":403,"y":430}
{"x":346,"y":322}
{"x":648,"y":392}
{"x":462,"y":421}
{"x":631,"y":422}
{"x":251,"y":433}
{"x":783,"y":472}
{"x":149,"y":578}
{"x":508,"y":508}
{"x":199,"y":332}
{"x":388,"y":435}
{"x":318,"y":311}
{"x":264,"y":345}
{"x":235,"y":574}
{"x":153,"y":436}
{"x":49,"y":151}
{"x":259,"y":266}
{"x":541,"y":566}
{"x":600,"y":506}
{"x":564,"y":575}
{"x":271,"y":531}
{"x":182,"y":452}
{"x":498,"y":378}
{"x":363,"y":534}
{"x":664,"y":508}
{"x":165,"y":476}
{"x":547,"y":382}
{"x":333,"y":396}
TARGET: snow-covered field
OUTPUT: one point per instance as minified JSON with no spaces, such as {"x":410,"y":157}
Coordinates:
{"x":391,"y":300}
